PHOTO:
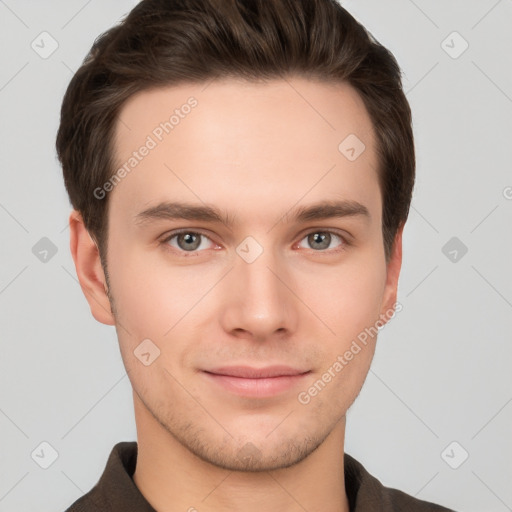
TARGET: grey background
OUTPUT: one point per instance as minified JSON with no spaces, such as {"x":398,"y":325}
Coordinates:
{"x":441,"y":372}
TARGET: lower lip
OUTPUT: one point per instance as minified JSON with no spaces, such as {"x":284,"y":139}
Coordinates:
{"x":260,"y":388}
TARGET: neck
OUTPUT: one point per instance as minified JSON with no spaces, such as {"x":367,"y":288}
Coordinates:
{"x":173,"y":479}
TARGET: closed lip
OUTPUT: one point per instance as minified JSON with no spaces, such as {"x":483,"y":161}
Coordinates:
{"x":249,"y":372}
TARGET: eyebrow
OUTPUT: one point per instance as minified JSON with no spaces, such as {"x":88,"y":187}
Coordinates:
{"x":184,"y":211}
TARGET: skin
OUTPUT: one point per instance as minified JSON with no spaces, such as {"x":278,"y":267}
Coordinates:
{"x":256,"y":150}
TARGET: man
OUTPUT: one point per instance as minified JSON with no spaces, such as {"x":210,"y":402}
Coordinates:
{"x":240,"y":173}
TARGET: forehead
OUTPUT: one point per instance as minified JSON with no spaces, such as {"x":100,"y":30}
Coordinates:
{"x":230,"y":141}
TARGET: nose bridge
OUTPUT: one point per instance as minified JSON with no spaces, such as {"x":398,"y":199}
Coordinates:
{"x":261,"y":304}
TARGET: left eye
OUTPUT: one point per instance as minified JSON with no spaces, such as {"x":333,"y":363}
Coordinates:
{"x":186,"y":241}
{"x":321,"y":239}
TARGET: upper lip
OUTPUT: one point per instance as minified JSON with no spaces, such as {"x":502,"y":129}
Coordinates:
{"x":249,"y":372}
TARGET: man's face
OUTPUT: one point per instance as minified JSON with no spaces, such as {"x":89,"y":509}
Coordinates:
{"x":265,"y":289}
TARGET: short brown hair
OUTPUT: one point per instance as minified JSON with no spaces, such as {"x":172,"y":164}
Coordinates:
{"x":167,"y":42}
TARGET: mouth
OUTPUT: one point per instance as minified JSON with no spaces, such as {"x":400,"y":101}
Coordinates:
{"x":256,"y":382}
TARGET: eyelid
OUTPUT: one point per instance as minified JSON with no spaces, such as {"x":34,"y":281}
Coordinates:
{"x":342,"y":235}
{"x":172,"y":234}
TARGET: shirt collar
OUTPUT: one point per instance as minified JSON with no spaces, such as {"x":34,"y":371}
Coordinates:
{"x":116,"y":489}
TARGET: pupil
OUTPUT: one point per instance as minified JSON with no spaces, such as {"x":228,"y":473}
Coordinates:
{"x":321,"y":239}
{"x":191,"y":241}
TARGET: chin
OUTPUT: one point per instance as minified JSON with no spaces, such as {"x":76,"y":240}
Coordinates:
{"x":251,"y":457}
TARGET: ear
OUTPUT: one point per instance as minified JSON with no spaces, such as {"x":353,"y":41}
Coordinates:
{"x":89,"y":270}
{"x":393,"y":273}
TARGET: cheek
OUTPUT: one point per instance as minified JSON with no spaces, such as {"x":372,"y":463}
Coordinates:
{"x":151,"y":296}
{"x":346,"y":299}
{"x":164,"y":304}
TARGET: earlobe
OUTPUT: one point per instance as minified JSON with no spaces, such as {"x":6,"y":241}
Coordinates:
{"x":89,"y":270}
{"x":392,"y":275}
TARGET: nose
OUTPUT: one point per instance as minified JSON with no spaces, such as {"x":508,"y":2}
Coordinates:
{"x":258,"y":300}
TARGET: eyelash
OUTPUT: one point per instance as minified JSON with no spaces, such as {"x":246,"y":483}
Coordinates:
{"x":165,"y":242}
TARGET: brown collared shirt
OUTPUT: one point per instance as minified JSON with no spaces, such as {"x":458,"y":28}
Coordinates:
{"x":116,"y":491}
